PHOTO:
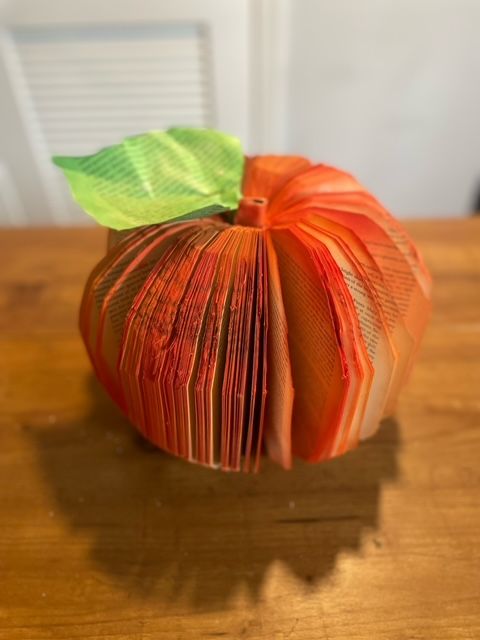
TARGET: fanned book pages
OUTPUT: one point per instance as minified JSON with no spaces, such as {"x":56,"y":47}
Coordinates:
{"x":245,"y":306}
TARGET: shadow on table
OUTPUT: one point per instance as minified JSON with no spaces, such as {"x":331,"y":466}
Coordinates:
{"x":166,"y":529}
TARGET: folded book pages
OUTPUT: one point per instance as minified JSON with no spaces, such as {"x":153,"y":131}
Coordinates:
{"x":245,"y":305}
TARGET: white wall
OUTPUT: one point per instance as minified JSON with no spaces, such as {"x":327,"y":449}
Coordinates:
{"x":390,"y":90}
{"x":386,"y":89}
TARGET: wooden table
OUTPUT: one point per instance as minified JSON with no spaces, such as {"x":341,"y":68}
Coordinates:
{"x":103,"y":537}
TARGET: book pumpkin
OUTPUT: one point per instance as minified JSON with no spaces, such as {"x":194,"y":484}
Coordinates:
{"x":249,"y":304}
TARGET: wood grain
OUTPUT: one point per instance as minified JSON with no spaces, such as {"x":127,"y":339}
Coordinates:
{"x":103,"y":537}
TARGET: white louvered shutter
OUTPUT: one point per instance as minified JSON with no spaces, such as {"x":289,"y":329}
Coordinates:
{"x":75,"y":81}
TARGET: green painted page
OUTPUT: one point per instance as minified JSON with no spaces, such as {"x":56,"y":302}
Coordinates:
{"x":158,"y":177}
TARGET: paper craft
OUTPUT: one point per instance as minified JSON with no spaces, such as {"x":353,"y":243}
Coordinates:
{"x":245,"y":305}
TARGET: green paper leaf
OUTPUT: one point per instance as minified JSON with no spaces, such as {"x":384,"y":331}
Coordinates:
{"x":158,"y":177}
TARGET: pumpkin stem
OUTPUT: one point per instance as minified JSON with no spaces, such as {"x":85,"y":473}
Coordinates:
{"x":252,"y":212}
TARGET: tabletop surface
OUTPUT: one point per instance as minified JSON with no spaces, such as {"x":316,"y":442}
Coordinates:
{"x":103,"y":537}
